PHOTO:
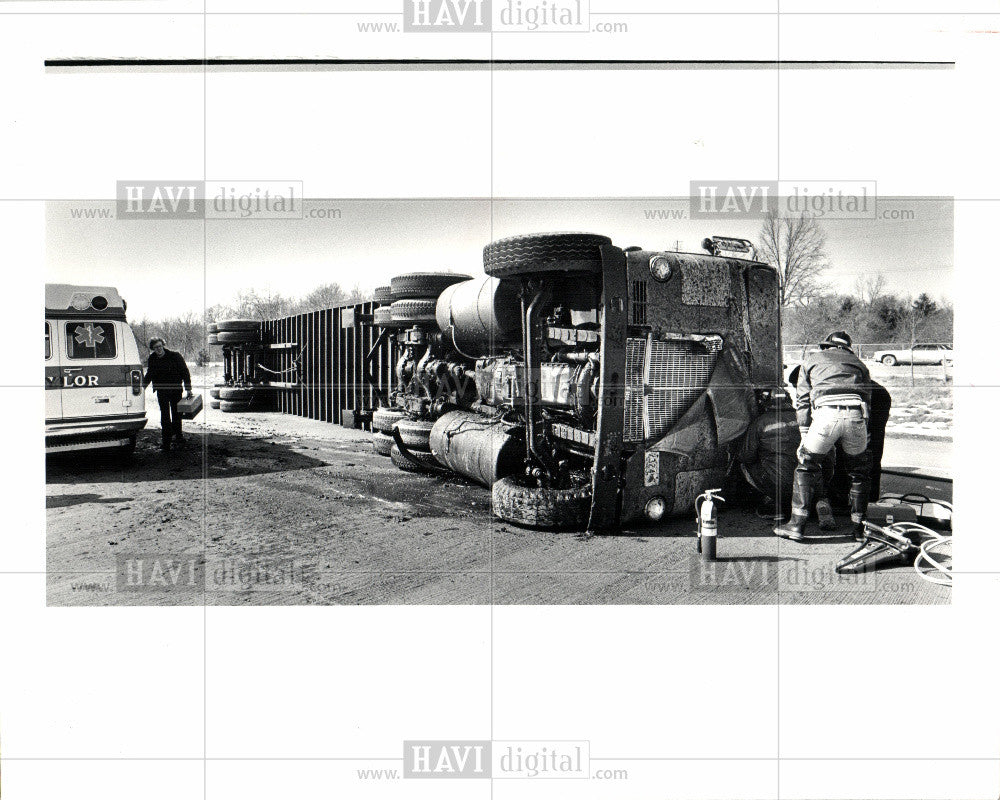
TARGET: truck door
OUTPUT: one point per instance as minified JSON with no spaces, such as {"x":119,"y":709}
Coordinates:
{"x":53,"y":375}
{"x":95,"y":380}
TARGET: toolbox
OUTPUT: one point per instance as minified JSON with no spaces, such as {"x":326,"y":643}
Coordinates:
{"x":888,"y":512}
{"x":932,"y":513}
{"x":189,"y":407}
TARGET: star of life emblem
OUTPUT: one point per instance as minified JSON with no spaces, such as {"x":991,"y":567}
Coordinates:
{"x":88,"y":335}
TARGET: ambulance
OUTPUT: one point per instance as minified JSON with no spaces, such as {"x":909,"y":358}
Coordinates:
{"x":94,"y":397}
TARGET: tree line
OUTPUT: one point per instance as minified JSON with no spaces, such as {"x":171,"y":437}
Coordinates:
{"x":810,"y":309}
{"x":795,"y":246}
{"x":884,"y":318}
{"x":186,"y":333}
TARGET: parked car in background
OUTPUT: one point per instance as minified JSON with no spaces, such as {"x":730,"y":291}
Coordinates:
{"x":919,"y":354}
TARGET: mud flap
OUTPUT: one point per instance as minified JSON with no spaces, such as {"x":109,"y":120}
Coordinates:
{"x":610,"y":404}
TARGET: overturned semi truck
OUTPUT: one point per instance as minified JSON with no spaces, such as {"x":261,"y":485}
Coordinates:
{"x":590,"y":386}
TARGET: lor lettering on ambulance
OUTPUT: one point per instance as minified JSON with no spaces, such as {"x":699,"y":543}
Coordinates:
{"x":71,"y":381}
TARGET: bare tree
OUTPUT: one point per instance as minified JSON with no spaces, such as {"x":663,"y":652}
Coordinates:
{"x":916,"y":314}
{"x":184,"y":334}
{"x":359,"y":295}
{"x":251,"y":304}
{"x":795,"y":246}
{"x":869,"y":287}
{"x":326,"y":296}
{"x":812,"y":322}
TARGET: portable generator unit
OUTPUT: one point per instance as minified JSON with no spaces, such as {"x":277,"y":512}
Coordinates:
{"x":590,"y":386}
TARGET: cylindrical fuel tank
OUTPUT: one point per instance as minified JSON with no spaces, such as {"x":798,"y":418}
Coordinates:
{"x":477,"y":447}
{"x":480,"y":313}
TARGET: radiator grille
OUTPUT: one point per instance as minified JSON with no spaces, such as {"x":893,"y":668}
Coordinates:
{"x":658,"y":394}
{"x":635,"y":361}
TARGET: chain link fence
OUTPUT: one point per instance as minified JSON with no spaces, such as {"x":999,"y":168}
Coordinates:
{"x":793,"y":353}
{"x":931,"y":369}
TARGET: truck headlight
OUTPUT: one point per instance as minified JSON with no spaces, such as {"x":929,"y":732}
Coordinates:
{"x":660,"y":269}
{"x":655,"y":509}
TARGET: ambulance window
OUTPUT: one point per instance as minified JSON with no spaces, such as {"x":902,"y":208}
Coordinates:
{"x":48,"y":344}
{"x":90,"y":339}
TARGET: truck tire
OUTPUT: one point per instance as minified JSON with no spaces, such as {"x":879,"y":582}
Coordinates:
{"x":214,"y":392}
{"x":382,"y":295}
{"x":381,"y":443}
{"x":233,"y":406}
{"x":214,"y":403}
{"x":382,"y":317}
{"x":213,"y":328}
{"x":417,"y":285}
{"x":384,"y":418}
{"x":415,"y":433}
{"x":535,"y":507}
{"x":427,"y":461}
{"x":237,"y":337}
{"x":237,"y":393}
{"x":237,"y":325}
{"x":411,"y":312}
{"x":545,"y":252}
{"x":213,"y":338}
{"x":889,"y":361}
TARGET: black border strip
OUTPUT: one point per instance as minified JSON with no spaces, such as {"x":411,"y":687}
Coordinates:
{"x":501,"y":63}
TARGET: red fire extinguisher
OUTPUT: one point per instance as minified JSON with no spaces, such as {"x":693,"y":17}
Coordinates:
{"x":706,"y":519}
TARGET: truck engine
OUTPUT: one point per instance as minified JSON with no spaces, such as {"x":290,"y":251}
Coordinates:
{"x":590,"y":386}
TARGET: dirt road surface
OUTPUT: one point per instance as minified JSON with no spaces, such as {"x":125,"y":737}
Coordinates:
{"x":274,"y":509}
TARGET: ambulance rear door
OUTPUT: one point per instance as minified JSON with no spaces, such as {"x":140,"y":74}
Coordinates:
{"x":95,"y":378}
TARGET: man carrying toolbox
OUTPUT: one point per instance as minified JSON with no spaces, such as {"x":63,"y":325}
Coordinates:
{"x":833,"y":397}
{"x":168,"y":372}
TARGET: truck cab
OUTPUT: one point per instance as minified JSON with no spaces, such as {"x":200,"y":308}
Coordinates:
{"x":93,"y":373}
{"x":590,"y":386}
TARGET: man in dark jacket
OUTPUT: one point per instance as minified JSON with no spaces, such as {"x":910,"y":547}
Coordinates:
{"x":832,"y":401}
{"x":167,"y":372}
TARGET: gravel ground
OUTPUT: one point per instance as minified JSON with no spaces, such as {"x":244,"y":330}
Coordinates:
{"x":273,"y":509}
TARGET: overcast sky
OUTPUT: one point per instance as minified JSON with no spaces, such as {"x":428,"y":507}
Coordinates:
{"x":164,"y":268}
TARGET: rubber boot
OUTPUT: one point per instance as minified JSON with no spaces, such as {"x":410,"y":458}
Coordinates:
{"x":802,"y":496}
{"x":825,"y":513}
{"x":769,"y":508}
{"x":859,"y":505}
